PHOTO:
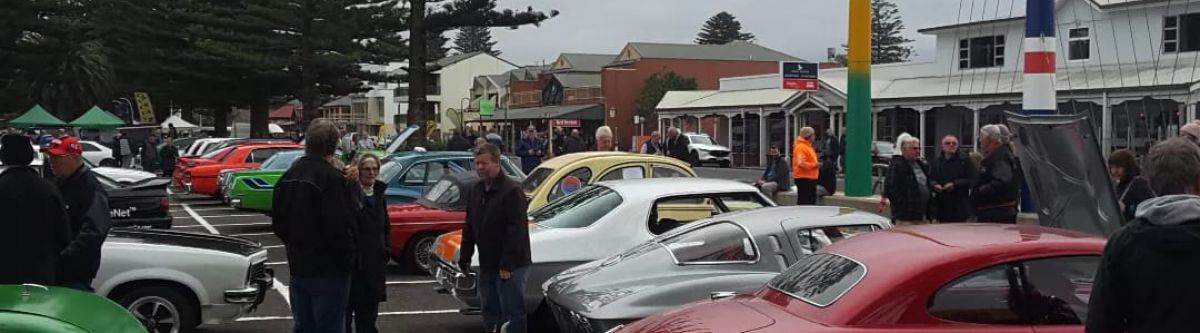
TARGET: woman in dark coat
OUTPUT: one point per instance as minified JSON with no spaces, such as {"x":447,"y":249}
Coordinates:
{"x":1132,"y":189}
{"x":367,"y":283}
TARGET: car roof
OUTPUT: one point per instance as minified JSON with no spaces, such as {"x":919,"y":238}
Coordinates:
{"x":804,"y":217}
{"x":636,"y":189}
{"x":572,"y":158}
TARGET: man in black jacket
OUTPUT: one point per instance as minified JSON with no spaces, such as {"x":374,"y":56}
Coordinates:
{"x":313,"y":214}
{"x":677,"y":146}
{"x":87,"y":210}
{"x":777,"y":176}
{"x":36,"y":226}
{"x":906,"y":186}
{"x":1146,"y":280}
{"x":952,"y":176}
{"x":458,"y":142}
{"x":995,"y":193}
{"x":497,"y":223}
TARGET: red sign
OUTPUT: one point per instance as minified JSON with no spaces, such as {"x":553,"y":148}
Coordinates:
{"x":801,"y":84}
{"x":799,"y":75}
{"x":564,"y":122}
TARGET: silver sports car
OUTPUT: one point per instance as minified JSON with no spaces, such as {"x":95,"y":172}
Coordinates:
{"x":717,"y":257}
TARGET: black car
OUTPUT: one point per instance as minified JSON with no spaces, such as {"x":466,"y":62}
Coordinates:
{"x":139,"y":204}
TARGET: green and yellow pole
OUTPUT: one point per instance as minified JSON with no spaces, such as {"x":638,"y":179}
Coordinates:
{"x":858,"y":102}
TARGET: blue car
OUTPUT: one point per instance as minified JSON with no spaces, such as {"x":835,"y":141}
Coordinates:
{"x":407,"y":174}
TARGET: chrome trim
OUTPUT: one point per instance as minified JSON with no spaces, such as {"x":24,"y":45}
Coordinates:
{"x":839,"y":296}
{"x":615,"y":329}
{"x":719,"y":295}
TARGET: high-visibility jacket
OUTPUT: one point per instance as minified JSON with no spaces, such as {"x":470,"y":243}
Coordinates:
{"x":804,"y":160}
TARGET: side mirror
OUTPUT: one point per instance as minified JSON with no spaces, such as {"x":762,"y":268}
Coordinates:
{"x":720,"y":295}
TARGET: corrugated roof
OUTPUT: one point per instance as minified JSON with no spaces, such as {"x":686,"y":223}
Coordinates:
{"x":1103,"y":4}
{"x":578,"y":80}
{"x":342,"y":101}
{"x":584,"y":62}
{"x":737,"y":50}
{"x":710,"y":99}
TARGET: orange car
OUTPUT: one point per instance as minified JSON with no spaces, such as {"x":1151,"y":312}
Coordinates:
{"x":200,"y":175}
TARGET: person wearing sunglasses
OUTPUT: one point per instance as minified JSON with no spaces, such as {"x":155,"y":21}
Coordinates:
{"x":952,"y":175}
{"x":906,"y":187}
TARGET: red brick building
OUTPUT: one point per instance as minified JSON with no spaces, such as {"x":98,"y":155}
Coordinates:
{"x":623,"y":79}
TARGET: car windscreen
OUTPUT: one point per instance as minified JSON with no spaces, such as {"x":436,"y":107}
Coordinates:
{"x":700,"y":140}
{"x":217,"y":154}
{"x":535,"y":179}
{"x":579,"y":209}
{"x":282,"y":161}
{"x":819,"y":279}
{"x":389,"y":170}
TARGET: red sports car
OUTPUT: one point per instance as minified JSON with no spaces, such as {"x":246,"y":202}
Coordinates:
{"x":934,"y":278}
{"x":415,"y":226}
{"x":199,"y":175}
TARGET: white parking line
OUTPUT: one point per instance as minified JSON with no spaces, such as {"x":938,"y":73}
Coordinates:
{"x":396,"y":313}
{"x":206,"y":209}
{"x":233,"y":215}
{"x":412,"y":282}
{"x":278,"y":286}
{"x":232,"y":224}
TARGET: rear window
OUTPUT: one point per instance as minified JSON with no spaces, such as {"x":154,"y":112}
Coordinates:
{"x":819,"y":279}
{"x":535,"y":179}
{"x":217,"y":154}
{"x":579,"y":209}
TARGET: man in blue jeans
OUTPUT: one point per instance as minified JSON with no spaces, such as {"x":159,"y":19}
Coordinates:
{"x":497,"y":223}
{"x":313,"y":215}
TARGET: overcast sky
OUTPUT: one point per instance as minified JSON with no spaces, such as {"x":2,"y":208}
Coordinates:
{"x":802,"y":28}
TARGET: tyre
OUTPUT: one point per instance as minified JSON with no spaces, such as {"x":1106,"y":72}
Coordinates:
{"x":696,"y":160}
{"x":724,"y":164}
{"x":108,"y":162}
{"x":160,"y":308}
{"x":418,"y":253}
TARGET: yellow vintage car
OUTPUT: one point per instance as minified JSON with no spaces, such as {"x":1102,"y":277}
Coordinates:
{"x":565,"y":174}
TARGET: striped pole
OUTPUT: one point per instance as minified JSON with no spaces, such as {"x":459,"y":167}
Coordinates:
{"x":858,"y":102}
{"x":1039,"y":95}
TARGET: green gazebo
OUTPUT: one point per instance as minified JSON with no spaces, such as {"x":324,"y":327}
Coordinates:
{"x":37,"y":116}
{"x":97,"y":118}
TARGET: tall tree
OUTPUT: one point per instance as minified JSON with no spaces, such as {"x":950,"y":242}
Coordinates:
{"x":475,"y":39}
{"x":721,"y":29}
{"x":888,"y":44}
{"x":436,"y":48}
{"x":657,"y":86}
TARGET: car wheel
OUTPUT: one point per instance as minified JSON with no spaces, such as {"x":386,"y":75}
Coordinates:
{"x":161,"y":309}
{"x":696,"y":160}
{"x":108,"y":162}
{"x":418,"y":253}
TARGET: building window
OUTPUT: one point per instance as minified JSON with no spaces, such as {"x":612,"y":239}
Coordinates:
{"x":1079,"y":45}
{"x":1181,"y":33}
{"x":981,"y":52}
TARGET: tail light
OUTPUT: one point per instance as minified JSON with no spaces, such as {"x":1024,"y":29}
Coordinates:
{"x":187,"y":177}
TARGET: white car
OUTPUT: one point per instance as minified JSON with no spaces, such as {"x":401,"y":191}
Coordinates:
{"x":121,"y":175}
{"x":97,"y":153}
{"x":200,"y":146}
{"x":704,"y":150}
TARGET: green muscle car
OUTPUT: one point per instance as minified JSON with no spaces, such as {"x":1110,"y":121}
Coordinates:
{"x":252,"y":189}
{"x":37,"y":309}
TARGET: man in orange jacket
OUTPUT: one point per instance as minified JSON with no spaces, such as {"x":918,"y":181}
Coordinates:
{"x":805,"y":167}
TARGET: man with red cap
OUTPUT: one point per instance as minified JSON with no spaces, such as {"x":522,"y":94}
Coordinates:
{"x":87,"y":213}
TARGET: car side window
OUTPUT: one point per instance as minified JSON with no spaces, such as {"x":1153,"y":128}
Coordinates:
{"x":741,"y":201}
{"x":436,"y":171}
{"x":813,"y":239}
{"x":415,"y":176}
{"x":629,"y":172}
{"x":987,"y":296}
{"x":662,"y":171}
{"x":1058,"y":289}
{"x":722,"y":242}
{"x":671,"y":213}
{"x":260,"y":155}
{"x":570,"y":183}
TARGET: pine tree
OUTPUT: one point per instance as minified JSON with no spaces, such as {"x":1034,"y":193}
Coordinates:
{"x":888,"y":44}
{"x":721,"y":29}
{"x":656,"y":87}
{"x":473,"y":39}
{"x":435,"y":43}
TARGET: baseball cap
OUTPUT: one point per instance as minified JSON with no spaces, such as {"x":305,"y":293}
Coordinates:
{"x":67,"y":145}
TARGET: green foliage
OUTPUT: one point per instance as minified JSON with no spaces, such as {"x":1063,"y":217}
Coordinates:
{"x":656,"y":87}
{"x":435,"y":45}
{"x":475,"y":39}
{"x":888,"y":44}
{"x":721,"y":29}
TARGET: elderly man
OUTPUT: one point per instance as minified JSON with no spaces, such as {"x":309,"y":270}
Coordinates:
{"x":995,"y":193}
{"x":87,"y":210}
{"x":604,"y":139}
{"x":313,"y":215}
{"x":1191,"y":132}
{"x":907,"y":184}
{"x":653,"y":146}
{"x":951,"y":178}
{"x":573,"y":143}
{"x":676,"y":145}
{"x":1146,"y":280}
{"x":805,"y":167}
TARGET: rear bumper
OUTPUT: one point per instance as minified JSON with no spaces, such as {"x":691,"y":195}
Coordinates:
{"x":712,"y":156}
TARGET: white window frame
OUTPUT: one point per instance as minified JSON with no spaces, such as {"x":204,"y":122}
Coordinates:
{"x":998,"y":52}
{"x":1175,"y":41}
{"x":1086,"y":39}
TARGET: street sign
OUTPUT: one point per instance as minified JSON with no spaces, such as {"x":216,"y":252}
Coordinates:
{"x":564,"y":122}
{"x":799,"y":75}
{"x":487,"y":107}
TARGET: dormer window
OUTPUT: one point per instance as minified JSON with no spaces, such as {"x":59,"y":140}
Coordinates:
{"x":981,"y":52}
{"x":1181,"y":33}
{"x":1079,"y":44}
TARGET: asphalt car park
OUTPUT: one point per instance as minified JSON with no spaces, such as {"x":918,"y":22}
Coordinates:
{"x":412,"y":306}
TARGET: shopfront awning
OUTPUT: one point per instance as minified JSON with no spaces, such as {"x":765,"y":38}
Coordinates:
{"x":581,"y":112}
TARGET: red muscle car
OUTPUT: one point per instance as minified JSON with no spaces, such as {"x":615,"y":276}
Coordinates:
{"x":416,"y":226}
{"x":199,"y":175}
{"x":935,"y":278}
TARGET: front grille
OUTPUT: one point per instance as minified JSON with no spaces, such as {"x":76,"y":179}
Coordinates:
{"x":718,"y":153}
{"x":256,"y":271}
{"x":570,"y":321}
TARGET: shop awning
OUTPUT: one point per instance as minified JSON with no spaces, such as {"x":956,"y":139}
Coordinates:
{"x":35,"y":117}
{"x":581,"y":112}
{"x":97,"y":118}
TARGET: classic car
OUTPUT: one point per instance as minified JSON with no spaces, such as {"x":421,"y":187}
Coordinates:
{"x":599,"y":221}
{"x":735,"y":252}
{"x":142,"y":204}
{"x":931,"y":278}
{"x":174,"y":281}
{"x":564,"y":174}
{"x":415,"y":226}
{"x":121,"y":175}
{"x":201,"y":178}
{"x":31,"y":308}
{"x":200,"y":146}
{"x":97,"y":153}
{"x":407,"y":174}
{"x":253,"y":189}
{"x":704,"y":150}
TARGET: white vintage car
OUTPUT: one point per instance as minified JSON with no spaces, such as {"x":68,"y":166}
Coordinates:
{"x":602,"y":220}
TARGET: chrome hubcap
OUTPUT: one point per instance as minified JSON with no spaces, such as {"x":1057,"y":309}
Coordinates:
{"x":156,"y":313}
{"x":425,"y":252}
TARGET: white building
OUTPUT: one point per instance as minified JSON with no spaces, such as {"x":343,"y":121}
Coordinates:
{"x":385,"y":100}
{"x":451,"y":79}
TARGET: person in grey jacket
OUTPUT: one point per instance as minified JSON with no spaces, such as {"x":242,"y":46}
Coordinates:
{"x":778,"y":175}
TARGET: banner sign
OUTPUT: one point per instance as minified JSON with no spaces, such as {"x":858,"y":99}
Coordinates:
{"x":799,"y":75}
{"x":145,"y":110}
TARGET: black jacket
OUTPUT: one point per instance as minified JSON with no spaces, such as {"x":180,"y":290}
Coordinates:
{"x":573,"y":144}
{"x":904,"y":192}
{"x":458,"y":143}
{"x":35,"y":227}
{"x":953,"y":205}
{"x":168,"y":156}
{"x":783,"y":173}
{"x":999,"y":182}
{"x":678,"y":148}
{"x":497,"y":223}
{"x":373,"y":244}
{"x":1146,"y":280}
{"x":313,"y":214}
{"x":1132,"y":191}
{"x":87,"y":210}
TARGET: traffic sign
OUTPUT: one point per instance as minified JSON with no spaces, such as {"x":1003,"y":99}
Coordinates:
{"x":799,"y":75}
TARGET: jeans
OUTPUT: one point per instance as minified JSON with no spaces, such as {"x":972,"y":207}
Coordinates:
{"x":319,"y":303}
{"x":503,"y":300}
{"x":363,"y":315}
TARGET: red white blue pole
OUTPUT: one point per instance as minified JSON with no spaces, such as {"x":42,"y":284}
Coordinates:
{"x":1039,"y":95}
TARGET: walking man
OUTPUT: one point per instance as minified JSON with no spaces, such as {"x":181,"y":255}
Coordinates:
{"x":997,"y":189}
{"x":36,"y":226}
{"x":531,"y":149}
{"x":906,"y":185}
{"x":1146,"y":280}
{"x":168,"y":154}
{"x":87,"y":211}
{"x":497,"y":224}
{"x":951,"y":179}
{"x":313,"y":215}
{"x":677,"y":145}
{"x":805,"y":167}
{"x":777,"y":177}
